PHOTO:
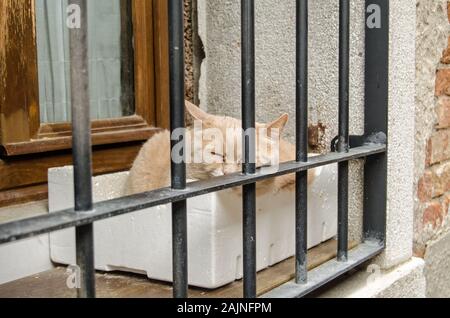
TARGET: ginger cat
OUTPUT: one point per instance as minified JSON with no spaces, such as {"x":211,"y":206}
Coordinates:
{"x":151,"y":169}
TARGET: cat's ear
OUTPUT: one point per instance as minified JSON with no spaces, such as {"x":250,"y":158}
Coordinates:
{"x":196,"y":112}
{"x":279,"y":124}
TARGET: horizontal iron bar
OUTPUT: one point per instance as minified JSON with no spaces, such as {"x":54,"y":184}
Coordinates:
{"x":327,"y":272}
{"x":26,"y":228}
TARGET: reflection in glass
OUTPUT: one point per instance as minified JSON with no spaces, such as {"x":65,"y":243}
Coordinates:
{"x":111,"y":78}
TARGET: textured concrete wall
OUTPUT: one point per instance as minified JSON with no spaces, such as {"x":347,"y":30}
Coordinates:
{"x":437,"y":267}
{"x":220,"y":91}
{"x":404,"y":281}
{"x":399,"y":234}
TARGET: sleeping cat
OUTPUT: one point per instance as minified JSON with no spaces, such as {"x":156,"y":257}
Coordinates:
{"x":151,"y":169}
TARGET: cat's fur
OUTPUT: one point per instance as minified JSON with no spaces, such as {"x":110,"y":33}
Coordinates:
{"x":151,"y":169}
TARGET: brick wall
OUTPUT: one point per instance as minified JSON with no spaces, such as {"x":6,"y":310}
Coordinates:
{"x":433,"y":191}
{"x":189,"y":53}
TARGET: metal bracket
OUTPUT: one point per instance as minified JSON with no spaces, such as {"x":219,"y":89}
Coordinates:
{"x":358,"y":141}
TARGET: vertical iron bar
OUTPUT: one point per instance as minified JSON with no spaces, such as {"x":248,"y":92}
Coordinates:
{"x":301,"y":199}
{"x":82,"y":150}
{"x":178,"y":169}
{"x":343,"y":144}
{"x":249,"y":144}
{"x":376,"y":117}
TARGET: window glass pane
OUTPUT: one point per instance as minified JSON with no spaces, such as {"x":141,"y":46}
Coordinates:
{"x":110,"y":59}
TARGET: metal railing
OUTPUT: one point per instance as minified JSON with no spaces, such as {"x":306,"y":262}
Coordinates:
{"x":372,"y":147}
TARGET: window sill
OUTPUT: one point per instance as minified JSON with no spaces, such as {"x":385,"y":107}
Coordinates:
{"x":56,"y":137}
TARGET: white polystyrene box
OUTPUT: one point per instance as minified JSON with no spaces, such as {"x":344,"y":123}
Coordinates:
{"x":141,"y":242}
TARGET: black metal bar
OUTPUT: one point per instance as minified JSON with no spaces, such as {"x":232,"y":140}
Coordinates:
{"x":180,"y":248}
{"x":343,"y":143}
{"x":342,"y":211}
{"x":23,"y":229}
{"x":85,"y":260}
{"x":376,"y":116}
{"x":301,"y":193}
{"x":82,"y":150}
{"x":249,"y":144}
{"x":344,"y":74}
{"x":327,"y":272}
{"x":178,"y":168}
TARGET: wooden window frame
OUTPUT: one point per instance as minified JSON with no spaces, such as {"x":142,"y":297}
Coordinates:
{"x":29,"y":148}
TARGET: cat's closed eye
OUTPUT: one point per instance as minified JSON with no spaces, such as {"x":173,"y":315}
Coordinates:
{"x":217,"y":154}
{"x":218,"y":158}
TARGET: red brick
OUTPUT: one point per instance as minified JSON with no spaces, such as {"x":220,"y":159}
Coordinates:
{"x":443,"y":82}
{"x":440,"y":178}
{"x":433,"y":214}
{"x":425,"y":187}
{"x":438,"y":148}
{"x":445,"y":204}
{"x":443,"y":112}
{"x":419,"y":250}
{"x":428,"y":153}
{"x":434,"y":183}
{"x":446,"y":54}
{"x":448,"y":10}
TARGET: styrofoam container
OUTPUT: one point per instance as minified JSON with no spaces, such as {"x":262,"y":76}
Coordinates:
{"x":141,"y":242}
